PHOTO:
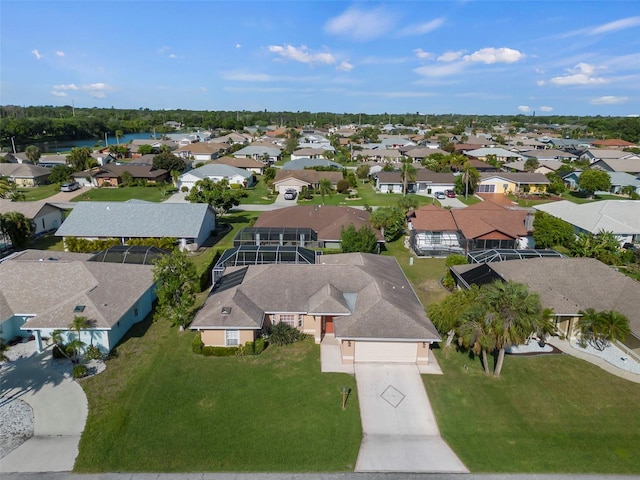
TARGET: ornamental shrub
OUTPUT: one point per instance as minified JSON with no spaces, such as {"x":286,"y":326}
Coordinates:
{"x":79,"y":371}
{"x":93,"y":353}
{"x":219,"y":351}
{"x":259,"y":345}
{"x":196,"y":344}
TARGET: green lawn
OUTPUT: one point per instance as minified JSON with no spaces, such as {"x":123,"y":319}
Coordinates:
{"x":581,"y":197}
{"x":150,"y":194}
{"x":366,"y":196}
{"x":550,"y":413}
{"x":48,"y":242}
{"x":39,"y":193}
{"x":158,"y":407}
{"x":259,"y":194}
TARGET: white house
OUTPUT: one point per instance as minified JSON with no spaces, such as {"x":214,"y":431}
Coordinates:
{"x":216,"y":172}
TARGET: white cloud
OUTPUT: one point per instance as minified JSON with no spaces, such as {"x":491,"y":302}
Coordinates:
{"x":546,"y":109}
{"x":248,"y":77}
{"x":71,"y":86}
{"x":36,"y":54}
{"x":238,"y":45}
{"x":495,"y":55}
{"x":524,"y":108}
{"x":581,"y":74}
{"x":60,"y":53}
{"x":616,"y":26}
{"x":450,"y":56}
{"x":164,"y":49}
{"x":540,"y":83}
{"x":440,"y":70}
{"x":203,"y":89}
{"x":361,"y":25}
{"x":344,"y":67}
{"x":302,"y":54}
{"x":57,"y":93}
{"x":422,"y":54}
{"x":609,"y":100}
{"x":422,"y":28}
{"x":173,"y":55}
{"x":95,"y":90}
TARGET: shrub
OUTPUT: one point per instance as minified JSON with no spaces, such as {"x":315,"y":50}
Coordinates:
{"x":93,"y":353}
{"x":284,"y":334}
{"x":259,"y":345}
{"x":219,"y":351}
{"x":196,"y":344}
{"x":57,"y":352}
{"x":249,"y":348}
{"x":184,"y":189}
{"x":342,"y":186}
{"x":79,"y":371}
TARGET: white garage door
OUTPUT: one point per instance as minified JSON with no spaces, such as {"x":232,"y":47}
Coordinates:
{"x":390,"y":352}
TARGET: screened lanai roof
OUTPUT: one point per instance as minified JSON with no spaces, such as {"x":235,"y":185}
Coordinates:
{"x":139,"y":255}
{"x":499,"y":255}
{"x":261,"y":254}
{"x":270,"y":235}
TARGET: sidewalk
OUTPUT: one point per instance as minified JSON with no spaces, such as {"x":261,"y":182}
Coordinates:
{"x":566,"y":347}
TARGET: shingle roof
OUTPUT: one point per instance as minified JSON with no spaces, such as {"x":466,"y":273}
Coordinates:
{"x":326,"y":220}
{"x":53,"y":284}
{"x":23,"y":170}
{"x":310,"y":176}
{"x":135,"y":219}
{"x":617,"y":216}
{"x":218,"y":170}
{"x":302,"y":163}
{"x":517,"y":177}
{"x":371,"y":290}
{"x":239,"y":162}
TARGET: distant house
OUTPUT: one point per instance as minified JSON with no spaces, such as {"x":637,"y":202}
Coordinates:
{"x":621,"y":217}
{"x":216,"y":172}
{"x":567,"y":286}
{"x":248,"y":164}
{"x":263,"y":153}
{"x":24,"y":174}
{"x":628,"y":164}
{"x":43,"y":293}
{"x":619,"y":180}
{"x":501,"y":154}
{"x":426,"y":182}
{"x":549,"y":155}
{"x":325,"y":222}
{"x":189,"y":223}
{"x":544,"y":166}
{"x":595,"y":154}
{"x":518,"y":182}
{"x":435,"y":231}
{"x":201,"y":152}
{"x":378,"y":155}
{"x":309,"y":153}
{"x":364,"y":301}
{"x":302,"y":163}
{"x":418,"y":154}
{"x":110,"y":175}
{"x":45,"y":216}
{"x":297,"y":179}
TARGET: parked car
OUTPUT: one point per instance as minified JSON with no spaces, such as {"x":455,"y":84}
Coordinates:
{"x":69,"y":187}
{"x":440,"y":195}
{"x":450,"y":193}
{"x":290,"y":194}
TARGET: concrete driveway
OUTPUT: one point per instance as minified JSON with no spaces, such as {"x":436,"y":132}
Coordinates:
{"x":400,"y":433}
{"x":59,"y":412}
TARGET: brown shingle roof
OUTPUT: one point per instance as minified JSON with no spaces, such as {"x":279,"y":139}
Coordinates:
{"x":310,"y":176}
{"x":326,"y":220}
{"x":239,"y":162}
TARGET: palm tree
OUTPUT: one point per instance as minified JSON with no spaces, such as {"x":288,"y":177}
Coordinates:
{"x":601,"y":328}
{"x":512,"y":313}
{"x":17,"y":227}
{"x":5,"y":187}
{"x":476,"y":333}
{"x":325,"y":188}
{"x":79,"y":323}
{"x":409,"y":172}
{"x":450,"y":314}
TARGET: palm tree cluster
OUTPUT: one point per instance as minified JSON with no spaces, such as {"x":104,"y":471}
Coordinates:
{"x":489,"y":319}
{"x":598,"y":329}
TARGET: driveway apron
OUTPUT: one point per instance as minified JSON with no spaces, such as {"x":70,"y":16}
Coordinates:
{"x":400,"y":433}
{"x":59,"y":413}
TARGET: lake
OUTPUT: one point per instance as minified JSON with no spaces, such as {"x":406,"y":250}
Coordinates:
{"x":59,"y":146}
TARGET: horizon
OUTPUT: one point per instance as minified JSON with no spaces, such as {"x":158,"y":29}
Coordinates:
{"x":485,"y":58}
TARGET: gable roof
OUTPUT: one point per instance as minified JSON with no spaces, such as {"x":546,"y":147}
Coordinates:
{"x":135,"y":219}
{"x":62,"y":281}
{"x":28,"y":209}
{"x":310,"y":176}
{"x":23,"y":170}
{"x":136,"y":171}
{"x":302,"y":163}
{"x":631,"y":165}
{"x":498,"y":152}
{"x":617,"y":216}
{"x":218,"y":170}
{"x":516,"y":177}
{"x":326,"y":220}
{"x":240,"y":162}
{"x":371,"y":291}
{"x":258,"y":149}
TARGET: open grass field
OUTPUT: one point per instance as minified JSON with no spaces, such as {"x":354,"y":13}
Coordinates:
{"x":158,"y":407}
{"x":549,"y":413}
{"x":149,"y":194}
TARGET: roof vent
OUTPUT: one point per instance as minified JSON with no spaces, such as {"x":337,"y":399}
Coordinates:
{"x":226,"y":310}
{"x":79,"y":308}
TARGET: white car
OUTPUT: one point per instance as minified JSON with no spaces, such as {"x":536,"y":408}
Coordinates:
{"x":69,"y":187}
{"x":290,"y":195}
{"x":440,"y":195}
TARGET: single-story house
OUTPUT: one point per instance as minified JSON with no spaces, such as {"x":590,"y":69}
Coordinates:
{"x":544,"y":166}
{"x":629,"y":164}
{"x":263,"y":153}
{"x":302,"y":163}
{"x":568,"y":286}
{"x":217,"y":172}
{"x":248,"y":164}
{"x":323,"y":222}
{"x":613,"y":143}
{"x":297,"y":179}
{"x":621,"y":217}
{"x":426,"y":182}
{"x":110,"y":175}
{"x":595,"y":154}
{"x":418,"y":154}
{"x":501,"y":154}
{"x":309,"y":152}
{"x":550,"y":154}
{"x":189,"y":223}
{"x":202,"y":152}
{"x":233,"y":138}
{"x":435,"y":231}
{"x":619,"y":180}
{"x":515,"y":182}
{"x":25,"y":174}
{"x":45,"y":216}
{"x":44,"y":291}
{"x":362,"y":300}
{"x":377,"y":155}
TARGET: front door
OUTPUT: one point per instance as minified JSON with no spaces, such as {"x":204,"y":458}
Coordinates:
{"x":328,"y":325}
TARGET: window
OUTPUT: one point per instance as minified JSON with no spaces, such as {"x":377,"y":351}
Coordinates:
{"x":233,"y":338}
{"x":486,"y":188}
{"x":288,"y":319}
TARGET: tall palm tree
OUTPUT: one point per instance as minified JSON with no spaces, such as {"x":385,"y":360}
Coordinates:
{"x":601,"y":328}
{"x":18,"y":228}
{"x":78,"y":324}
{"x":476,"y":333}
{"x":512,"y":313}
{"x":5,"y":187}
{"x":325,"y":188}
{"x":409,"y":172}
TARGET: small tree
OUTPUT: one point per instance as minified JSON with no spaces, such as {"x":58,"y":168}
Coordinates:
{"x":33,"y":154}
{"x":169,"y":162}
{"x":389,"y":220}
{"x":325,"y":188}
{"x":362,"y":172}
{"x":592,"y":181}
{"x":176,"y":286}
{"x":600,"y":328}
{"x":284,"y":334}
{"x":550,"y":231}
{"x":80,"y":159}
{"x":18,"y":228}
{"x":217,"y":194}
{"x":60,"y":174}
{"x":342,"y":186}
{"x":361,"y":240}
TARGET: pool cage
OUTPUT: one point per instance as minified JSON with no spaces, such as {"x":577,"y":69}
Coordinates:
{"x":262,"y":254}
{"x":137,"y":255}
{"x":280,"y":236}
{"x":499,"y":255}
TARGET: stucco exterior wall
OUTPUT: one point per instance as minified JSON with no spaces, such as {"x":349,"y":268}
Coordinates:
{"x":348,"y":349}
{"x":213,"y":338}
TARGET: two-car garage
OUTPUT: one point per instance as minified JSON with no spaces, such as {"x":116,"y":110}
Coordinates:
{"x":386,"y":352}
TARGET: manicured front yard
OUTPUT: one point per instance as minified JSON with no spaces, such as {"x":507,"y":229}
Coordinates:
{"x":259,"y":194}
{"x":40,"y":193}
{"x":550,"y":413}
{"x":366,"y":196}
{"x":158,"y":407}
{"x":108,"y":194}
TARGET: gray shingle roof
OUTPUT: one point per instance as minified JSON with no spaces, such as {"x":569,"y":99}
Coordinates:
{"x":385,"y":306}
{"x":617,"y":216}
{"x":218,"y":170}
{"x":302,"y":163}
{"x":135,"y":219}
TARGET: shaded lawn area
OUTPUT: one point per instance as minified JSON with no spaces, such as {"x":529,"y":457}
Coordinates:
{"x":424,"y":274}
{"x":581,"y":197}
{"x":258,"y":194}
{"x":548,"y":413}
{"x":158,"y":407}
{"x":48,"y":242}
{"x":108,"y":194}
{"x":237,"y":220}
{"x":39,"y":193}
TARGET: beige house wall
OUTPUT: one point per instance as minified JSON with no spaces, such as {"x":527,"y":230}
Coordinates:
{"x":213,"y":338}
{"x":423,"y":353}
{"x":348,"y":349}
{"x":567,"y":326}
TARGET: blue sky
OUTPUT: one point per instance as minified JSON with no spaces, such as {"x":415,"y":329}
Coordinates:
{"x":468,"y":57}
